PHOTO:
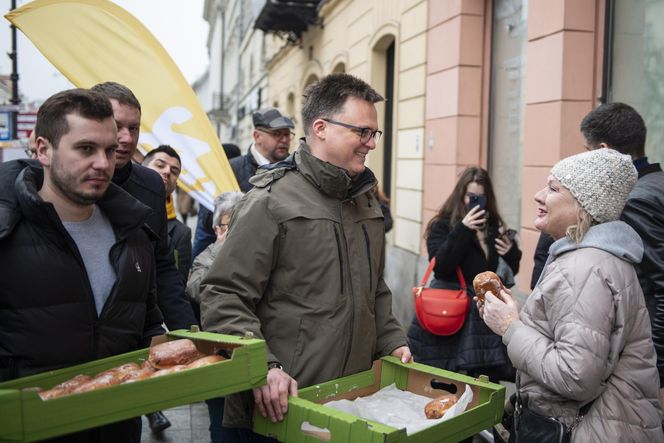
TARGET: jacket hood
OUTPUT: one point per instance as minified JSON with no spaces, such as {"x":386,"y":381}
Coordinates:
{"x":9,"y":214}
{"x":616,"y":238}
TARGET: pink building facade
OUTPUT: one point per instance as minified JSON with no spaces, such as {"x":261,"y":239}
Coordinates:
{"x":508,"y":83}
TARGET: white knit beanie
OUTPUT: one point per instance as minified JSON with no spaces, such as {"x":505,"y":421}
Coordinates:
{"x":600,"y":180}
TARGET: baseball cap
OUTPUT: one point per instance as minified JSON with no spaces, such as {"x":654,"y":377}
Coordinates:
{"x":272,"y":118}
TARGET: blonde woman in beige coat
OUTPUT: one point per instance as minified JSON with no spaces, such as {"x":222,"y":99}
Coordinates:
{"x":583,"y":336}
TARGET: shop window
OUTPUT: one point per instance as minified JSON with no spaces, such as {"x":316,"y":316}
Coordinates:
{"x":507,"y":108}
{"x":634,"y":64}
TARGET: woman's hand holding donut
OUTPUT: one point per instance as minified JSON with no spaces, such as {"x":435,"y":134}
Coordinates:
{"x":499,"y":311}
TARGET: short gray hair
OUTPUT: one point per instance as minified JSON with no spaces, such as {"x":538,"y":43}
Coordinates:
{"x":224,"y":204}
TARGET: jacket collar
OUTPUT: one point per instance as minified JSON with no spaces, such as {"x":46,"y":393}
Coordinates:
{"x":121,"y":175}
{"x":123,"y":211}
{"x":329,"y":179}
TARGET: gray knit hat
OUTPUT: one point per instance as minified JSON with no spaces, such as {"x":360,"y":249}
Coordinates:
{"x":600,"y":180}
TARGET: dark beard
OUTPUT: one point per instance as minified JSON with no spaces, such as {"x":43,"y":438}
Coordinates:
{"x":66,"y":190}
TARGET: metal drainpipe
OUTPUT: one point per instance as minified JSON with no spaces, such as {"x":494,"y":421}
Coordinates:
{"x":15,"y":100}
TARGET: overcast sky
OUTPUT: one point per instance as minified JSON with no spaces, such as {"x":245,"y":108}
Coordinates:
{"x":177,"y":24}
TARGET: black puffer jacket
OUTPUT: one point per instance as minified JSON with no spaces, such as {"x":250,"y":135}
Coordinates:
{"x":644,"y":212}
{"x":48,"y":318}
{"x":475,"y":348}
{"x":146,"y":186}
{"x":244,"y":167}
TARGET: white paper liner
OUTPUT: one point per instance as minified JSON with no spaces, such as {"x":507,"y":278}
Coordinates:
{"x":396,"y":408}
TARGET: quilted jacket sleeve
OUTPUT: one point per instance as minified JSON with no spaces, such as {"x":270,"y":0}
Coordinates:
{"x":565,"y":343}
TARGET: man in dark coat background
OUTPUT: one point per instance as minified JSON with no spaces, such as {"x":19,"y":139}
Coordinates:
{"x":147,"y":187}
{"x":619,"y":126}
{"x":272,"y":139}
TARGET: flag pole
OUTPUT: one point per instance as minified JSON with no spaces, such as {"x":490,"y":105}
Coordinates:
{"x":15,"y":100}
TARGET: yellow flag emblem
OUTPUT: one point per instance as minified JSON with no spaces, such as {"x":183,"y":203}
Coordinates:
{"x":93,"y":41}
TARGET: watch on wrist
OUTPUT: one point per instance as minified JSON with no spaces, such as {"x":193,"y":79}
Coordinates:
{"x":274,"y":365}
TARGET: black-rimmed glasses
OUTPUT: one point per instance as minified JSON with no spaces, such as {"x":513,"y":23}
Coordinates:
{"x":365,"y":133}
{"x":278,"y":133}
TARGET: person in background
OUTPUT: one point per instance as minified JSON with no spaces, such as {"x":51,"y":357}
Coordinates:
{"x":473,"y":238}
{"x":385,"y":207}
{"x":69,"y":253}
{"x":324,"y":311}
{"x":31,"y":150}
{"x":166,"y":161}
{"x":186,"y":205}
{"x":272,"y":137}
{"x":582,"y":342}
{"x":224,"y":206}
{"x":619,"y":126}
{"x":147,"y":187}
{"x":204,"y":236}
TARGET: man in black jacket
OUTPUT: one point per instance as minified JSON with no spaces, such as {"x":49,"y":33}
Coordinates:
{"x":272,"y":138}
{"x":147,"y":187}
{"x":619,"y":126}
{"x":76,"y":263}
{"x":166,"y":162}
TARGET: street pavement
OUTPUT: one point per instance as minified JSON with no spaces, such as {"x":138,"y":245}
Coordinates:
{"x":189,"y":424}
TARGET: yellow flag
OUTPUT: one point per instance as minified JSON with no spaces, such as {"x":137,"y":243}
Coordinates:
{"x":93,"y":41}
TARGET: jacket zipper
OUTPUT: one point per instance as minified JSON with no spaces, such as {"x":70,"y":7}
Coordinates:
{"x":350,"y":289}
{"x":341,"y":260}
{"x":113,"y":256}
{"x":366,"y":238}
{"x":77,"y":255}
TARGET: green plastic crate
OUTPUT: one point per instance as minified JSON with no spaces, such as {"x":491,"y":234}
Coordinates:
{"x":25,"y":417}
{"x":485,"y":410}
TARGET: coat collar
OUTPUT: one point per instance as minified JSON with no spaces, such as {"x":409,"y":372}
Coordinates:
{"x":123,"y":211}
{"x":332,"y":180}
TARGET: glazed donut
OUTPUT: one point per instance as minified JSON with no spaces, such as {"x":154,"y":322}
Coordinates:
{"x":487,"y":281}
{"x":139,"y":374}
{"x":172,"y":353}
{"x":205,"y":361}
{"x":103,"y":381}
{"x":437,"y":407}
{"x":122,"y":370}
{"x":171,"y":370}
{"x":64,"y":388}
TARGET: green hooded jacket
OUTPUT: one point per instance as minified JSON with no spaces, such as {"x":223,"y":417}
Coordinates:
{"x":302,"y":268}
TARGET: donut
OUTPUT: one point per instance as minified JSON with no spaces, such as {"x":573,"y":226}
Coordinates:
{"x":437,"y":407}
{"x":487,"y":281}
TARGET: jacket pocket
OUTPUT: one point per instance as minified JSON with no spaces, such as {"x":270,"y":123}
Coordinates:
{"x":307,"y":364}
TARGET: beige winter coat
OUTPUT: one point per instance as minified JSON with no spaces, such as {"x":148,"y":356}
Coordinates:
{"x":584,"y":334}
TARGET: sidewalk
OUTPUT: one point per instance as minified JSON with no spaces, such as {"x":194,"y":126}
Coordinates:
{"x":189,"y":424}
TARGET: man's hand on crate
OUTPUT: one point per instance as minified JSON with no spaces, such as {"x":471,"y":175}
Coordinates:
{"x":403,"y":353}
{"x":272,"y":398}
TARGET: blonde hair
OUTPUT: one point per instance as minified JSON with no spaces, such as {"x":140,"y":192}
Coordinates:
{"x":584,"y":221}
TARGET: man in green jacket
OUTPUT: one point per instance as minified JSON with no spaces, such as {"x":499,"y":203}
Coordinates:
{"x":302,"y":263}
